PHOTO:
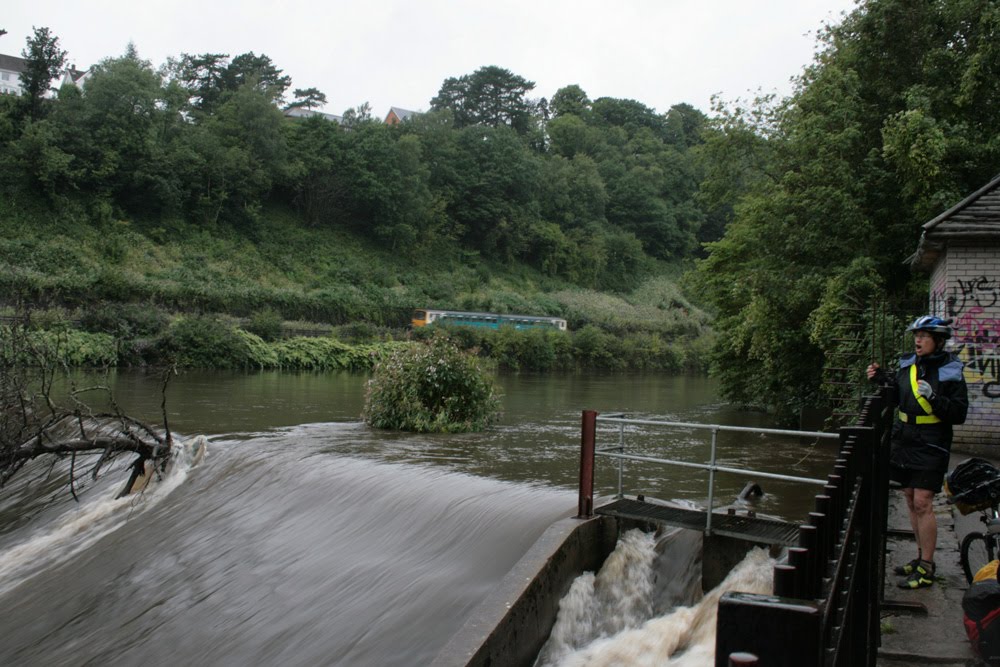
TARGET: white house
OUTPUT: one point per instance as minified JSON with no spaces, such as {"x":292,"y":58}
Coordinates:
{"x":10,"y":74}
{"x":12,"y":66}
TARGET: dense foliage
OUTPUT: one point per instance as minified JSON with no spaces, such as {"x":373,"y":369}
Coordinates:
{"x":203,"y":140}
{"x":188,"y":188}
{"x":897,"y":120}
{"x":431,"y":387}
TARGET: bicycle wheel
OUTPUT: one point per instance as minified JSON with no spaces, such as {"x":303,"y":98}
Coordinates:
{"x":977,"y":550}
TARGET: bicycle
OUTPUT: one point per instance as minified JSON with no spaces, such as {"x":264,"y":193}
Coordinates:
{"x":978,"y":549}
{"x":974,"y":485}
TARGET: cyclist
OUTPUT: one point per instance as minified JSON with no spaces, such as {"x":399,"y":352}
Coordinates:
{"x":930,"y":390}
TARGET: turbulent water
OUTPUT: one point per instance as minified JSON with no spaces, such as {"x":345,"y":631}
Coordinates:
{"x":302,"y":537}
{"x":621,"y":617}
{"x":272,"y":550}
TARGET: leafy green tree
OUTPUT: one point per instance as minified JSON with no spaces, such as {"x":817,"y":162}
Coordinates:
{"x":43,"y":62}
{"x":210,"y":78}
{"x":317,"y":146}
{"x":254,"y":151}
{"x":307,"y":98}
{"x":570,"y":100}
{"x":897,"y":119}
{"x":120,"y":120}
{"x":201,"y":76}
{"x":494,"y":191}
{"x":630,"y":115}
{"x":491,"y":96}
{"x":259,"y":72}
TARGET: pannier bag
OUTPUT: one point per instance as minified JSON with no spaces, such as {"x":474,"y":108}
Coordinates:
{"x":981,"y":609}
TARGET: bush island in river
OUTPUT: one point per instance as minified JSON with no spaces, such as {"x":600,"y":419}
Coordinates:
{"x":432,"y":387}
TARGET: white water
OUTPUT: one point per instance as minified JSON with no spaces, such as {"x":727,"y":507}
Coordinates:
{"x":84,"y":525}
{"x":642,"y":609}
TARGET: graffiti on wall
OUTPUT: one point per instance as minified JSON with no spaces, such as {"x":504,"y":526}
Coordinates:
{"x":981,"y":292}
{"x":976,"y":334}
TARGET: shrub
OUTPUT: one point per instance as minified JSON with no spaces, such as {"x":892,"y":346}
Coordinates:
{"x":357,"y":332}
{"x":205,"y":342}
{"x":124,"y":320}
{"x":432,"y":387}
{"x":67,"y":347}
{"x":266,"y":323}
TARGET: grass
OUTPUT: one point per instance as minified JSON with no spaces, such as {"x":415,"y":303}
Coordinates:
{"x":323,"y":278}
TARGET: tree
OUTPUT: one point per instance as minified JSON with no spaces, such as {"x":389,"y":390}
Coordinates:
{"x":118,"y":137}
{"x":34,"y":425}
{"x":570,"y":100}
{"x":490,"y":96}
{"x":44,"y":60}
{"x":307,"y":98}
{"x":210,"y":78}
{"x":897,"y":119}
{"x":258,"y":72}
{"x":201,"y":76}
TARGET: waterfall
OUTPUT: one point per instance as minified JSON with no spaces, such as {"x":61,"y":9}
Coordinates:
{"x":644,"y":607}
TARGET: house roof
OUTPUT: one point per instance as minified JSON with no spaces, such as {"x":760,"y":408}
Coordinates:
{"x":401,"y":114}
{"x":976,"y":216}
{"x":298,"y":112}
{"x":13,"y":63}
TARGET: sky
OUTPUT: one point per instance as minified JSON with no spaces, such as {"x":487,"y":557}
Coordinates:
{"x":398,"y":52}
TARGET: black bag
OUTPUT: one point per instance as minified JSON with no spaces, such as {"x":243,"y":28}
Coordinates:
{"x":981,"y":607}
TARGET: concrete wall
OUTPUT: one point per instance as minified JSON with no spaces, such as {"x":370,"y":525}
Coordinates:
{"x":510,"y":626}
{"x":965,"y":285}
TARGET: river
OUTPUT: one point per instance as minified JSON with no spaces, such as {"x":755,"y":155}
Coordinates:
{"x":306,"y":538}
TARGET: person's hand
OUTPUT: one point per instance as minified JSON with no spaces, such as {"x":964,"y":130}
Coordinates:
{"x":924,"y":389}
{"x":872,"y":369}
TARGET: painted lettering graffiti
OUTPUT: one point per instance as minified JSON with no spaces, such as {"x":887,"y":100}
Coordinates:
{"x":981,"y":292}
{"x":976,"y":333}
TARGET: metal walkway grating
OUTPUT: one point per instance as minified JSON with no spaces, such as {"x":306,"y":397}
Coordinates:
{"x":752,"y":529}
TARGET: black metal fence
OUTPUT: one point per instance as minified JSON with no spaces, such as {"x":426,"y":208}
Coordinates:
{"x":827,"y":598}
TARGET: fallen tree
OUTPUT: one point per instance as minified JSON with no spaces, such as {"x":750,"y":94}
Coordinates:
{"x":35,"y":423}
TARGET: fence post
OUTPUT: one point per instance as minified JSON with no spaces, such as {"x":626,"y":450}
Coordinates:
{"x":585,"y":507}
{"x":778,"y":631}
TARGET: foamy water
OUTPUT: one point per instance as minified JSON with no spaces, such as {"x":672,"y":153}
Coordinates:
{"x":612,"y":618}
{"x":92,"y":520}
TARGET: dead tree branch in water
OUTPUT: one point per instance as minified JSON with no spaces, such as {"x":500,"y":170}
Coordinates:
{"x":33,"y":424}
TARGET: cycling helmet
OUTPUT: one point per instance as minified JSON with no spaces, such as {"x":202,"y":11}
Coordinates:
{"x":932,"y":324}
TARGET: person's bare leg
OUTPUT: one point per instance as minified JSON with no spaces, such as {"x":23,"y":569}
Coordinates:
{"x":914,"y":524}
{"x":926,"y":523}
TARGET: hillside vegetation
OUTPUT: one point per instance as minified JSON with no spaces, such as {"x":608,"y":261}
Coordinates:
{"x":184,"y":187}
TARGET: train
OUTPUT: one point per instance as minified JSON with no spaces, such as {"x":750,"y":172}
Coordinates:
{"x":425,"y":316}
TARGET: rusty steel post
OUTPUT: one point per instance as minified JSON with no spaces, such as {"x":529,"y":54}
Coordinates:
{"x":585,"y":508}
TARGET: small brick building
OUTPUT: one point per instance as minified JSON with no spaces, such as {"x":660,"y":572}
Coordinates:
{"x":961,"y":250}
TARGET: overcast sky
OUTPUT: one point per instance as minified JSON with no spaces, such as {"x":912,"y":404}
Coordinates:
{"x":397,"y":52}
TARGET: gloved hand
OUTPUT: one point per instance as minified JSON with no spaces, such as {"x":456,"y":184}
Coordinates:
{"x":924,"y":389}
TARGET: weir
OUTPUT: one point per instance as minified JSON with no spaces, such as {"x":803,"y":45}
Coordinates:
{"x":827,"y":588}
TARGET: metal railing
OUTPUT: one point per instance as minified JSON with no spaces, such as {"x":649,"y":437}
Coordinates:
{"x":617,"y":451}
{"x":825,"y":610}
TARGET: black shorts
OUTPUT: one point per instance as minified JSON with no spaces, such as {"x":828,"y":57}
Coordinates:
{"x":907,"y":478}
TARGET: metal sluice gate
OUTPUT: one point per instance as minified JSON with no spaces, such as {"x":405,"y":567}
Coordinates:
{"x":750,"y":528}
